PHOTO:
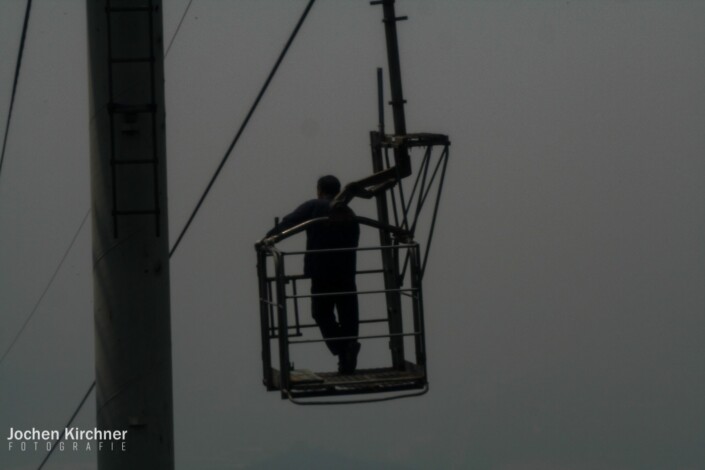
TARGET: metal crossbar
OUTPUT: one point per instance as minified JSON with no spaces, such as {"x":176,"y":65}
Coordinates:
{"x":313,"y":325}
{"x":361,"y":248}
{"x":347,"y":338}
{"x":300,"y":277}
{"x":274,"y":334}
{"x":328,"y":294}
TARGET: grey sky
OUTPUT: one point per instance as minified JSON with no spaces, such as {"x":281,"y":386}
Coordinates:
{"x":565,"y":296}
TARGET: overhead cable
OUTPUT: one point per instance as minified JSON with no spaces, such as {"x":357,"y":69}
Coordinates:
{"x":14,"y":83}
{"x":68,"y":425}
{"x":244,"y":123}
{"x":46,"y":289}
{"x":178,"y":27}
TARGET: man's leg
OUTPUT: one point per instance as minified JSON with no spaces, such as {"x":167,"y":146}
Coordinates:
{"x":348,"y":315}
{"x":322,"y":311}
{"x":349,"y":319}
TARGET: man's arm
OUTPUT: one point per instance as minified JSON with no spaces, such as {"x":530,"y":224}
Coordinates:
{"x":300,"y":214}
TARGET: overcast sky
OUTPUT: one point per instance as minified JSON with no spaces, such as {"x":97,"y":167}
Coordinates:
{"x":565,"y":295}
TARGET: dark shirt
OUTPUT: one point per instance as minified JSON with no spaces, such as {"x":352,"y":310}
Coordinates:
{"x":342,"y":232}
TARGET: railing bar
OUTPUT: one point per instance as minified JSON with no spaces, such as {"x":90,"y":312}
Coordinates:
{"x":353,"y":248}
{"x":370,"y":271}
{"x":381,"y":291}
{"x":347,"y":338}
{"x":291,"y":335}
{"x":298,"y":277}
{"x":313,"y":325}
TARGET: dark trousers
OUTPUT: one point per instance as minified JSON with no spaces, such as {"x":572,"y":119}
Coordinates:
{"x":323,"y":307}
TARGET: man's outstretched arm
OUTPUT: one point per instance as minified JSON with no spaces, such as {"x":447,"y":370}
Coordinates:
{"x":300,"y":214}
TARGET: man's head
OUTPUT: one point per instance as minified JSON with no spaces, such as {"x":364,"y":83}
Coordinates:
{"x":328,"y":186}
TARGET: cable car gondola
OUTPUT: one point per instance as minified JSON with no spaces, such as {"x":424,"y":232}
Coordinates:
{"x":396,"y":278}
{"x":396,"y":268}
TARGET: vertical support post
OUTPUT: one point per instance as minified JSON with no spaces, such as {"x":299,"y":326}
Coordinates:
{"x":390,"y":30}
{"x":131,"y":265}
{"x":283,"y":324}
{"x":417,"y":306}
{"x":401,"y":155}
{"x":403,"y":165}
{"x":389,"y":265}
{"x":380,"y":100}
{"x":264,"y":309}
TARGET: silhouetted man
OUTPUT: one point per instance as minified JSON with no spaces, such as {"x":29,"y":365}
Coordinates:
{"x":331,"y":272}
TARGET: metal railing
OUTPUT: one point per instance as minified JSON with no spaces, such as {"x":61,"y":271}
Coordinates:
{"x":280,"y":294}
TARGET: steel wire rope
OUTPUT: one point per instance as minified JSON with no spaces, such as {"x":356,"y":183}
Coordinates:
{"x":63,"y":433}
{"x":244,"y":122}
{"x":46,"y":289}
{"x":227,"y":154}
{"x":178,"y":27}
{"x":16,"y":79}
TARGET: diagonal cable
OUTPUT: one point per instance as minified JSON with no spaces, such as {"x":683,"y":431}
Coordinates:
{"x":183,"y":16}
{"x":68,"y":425}
{"x":46,"y":289}
{"x":14,"y":84}
{"x":244,"y":124}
